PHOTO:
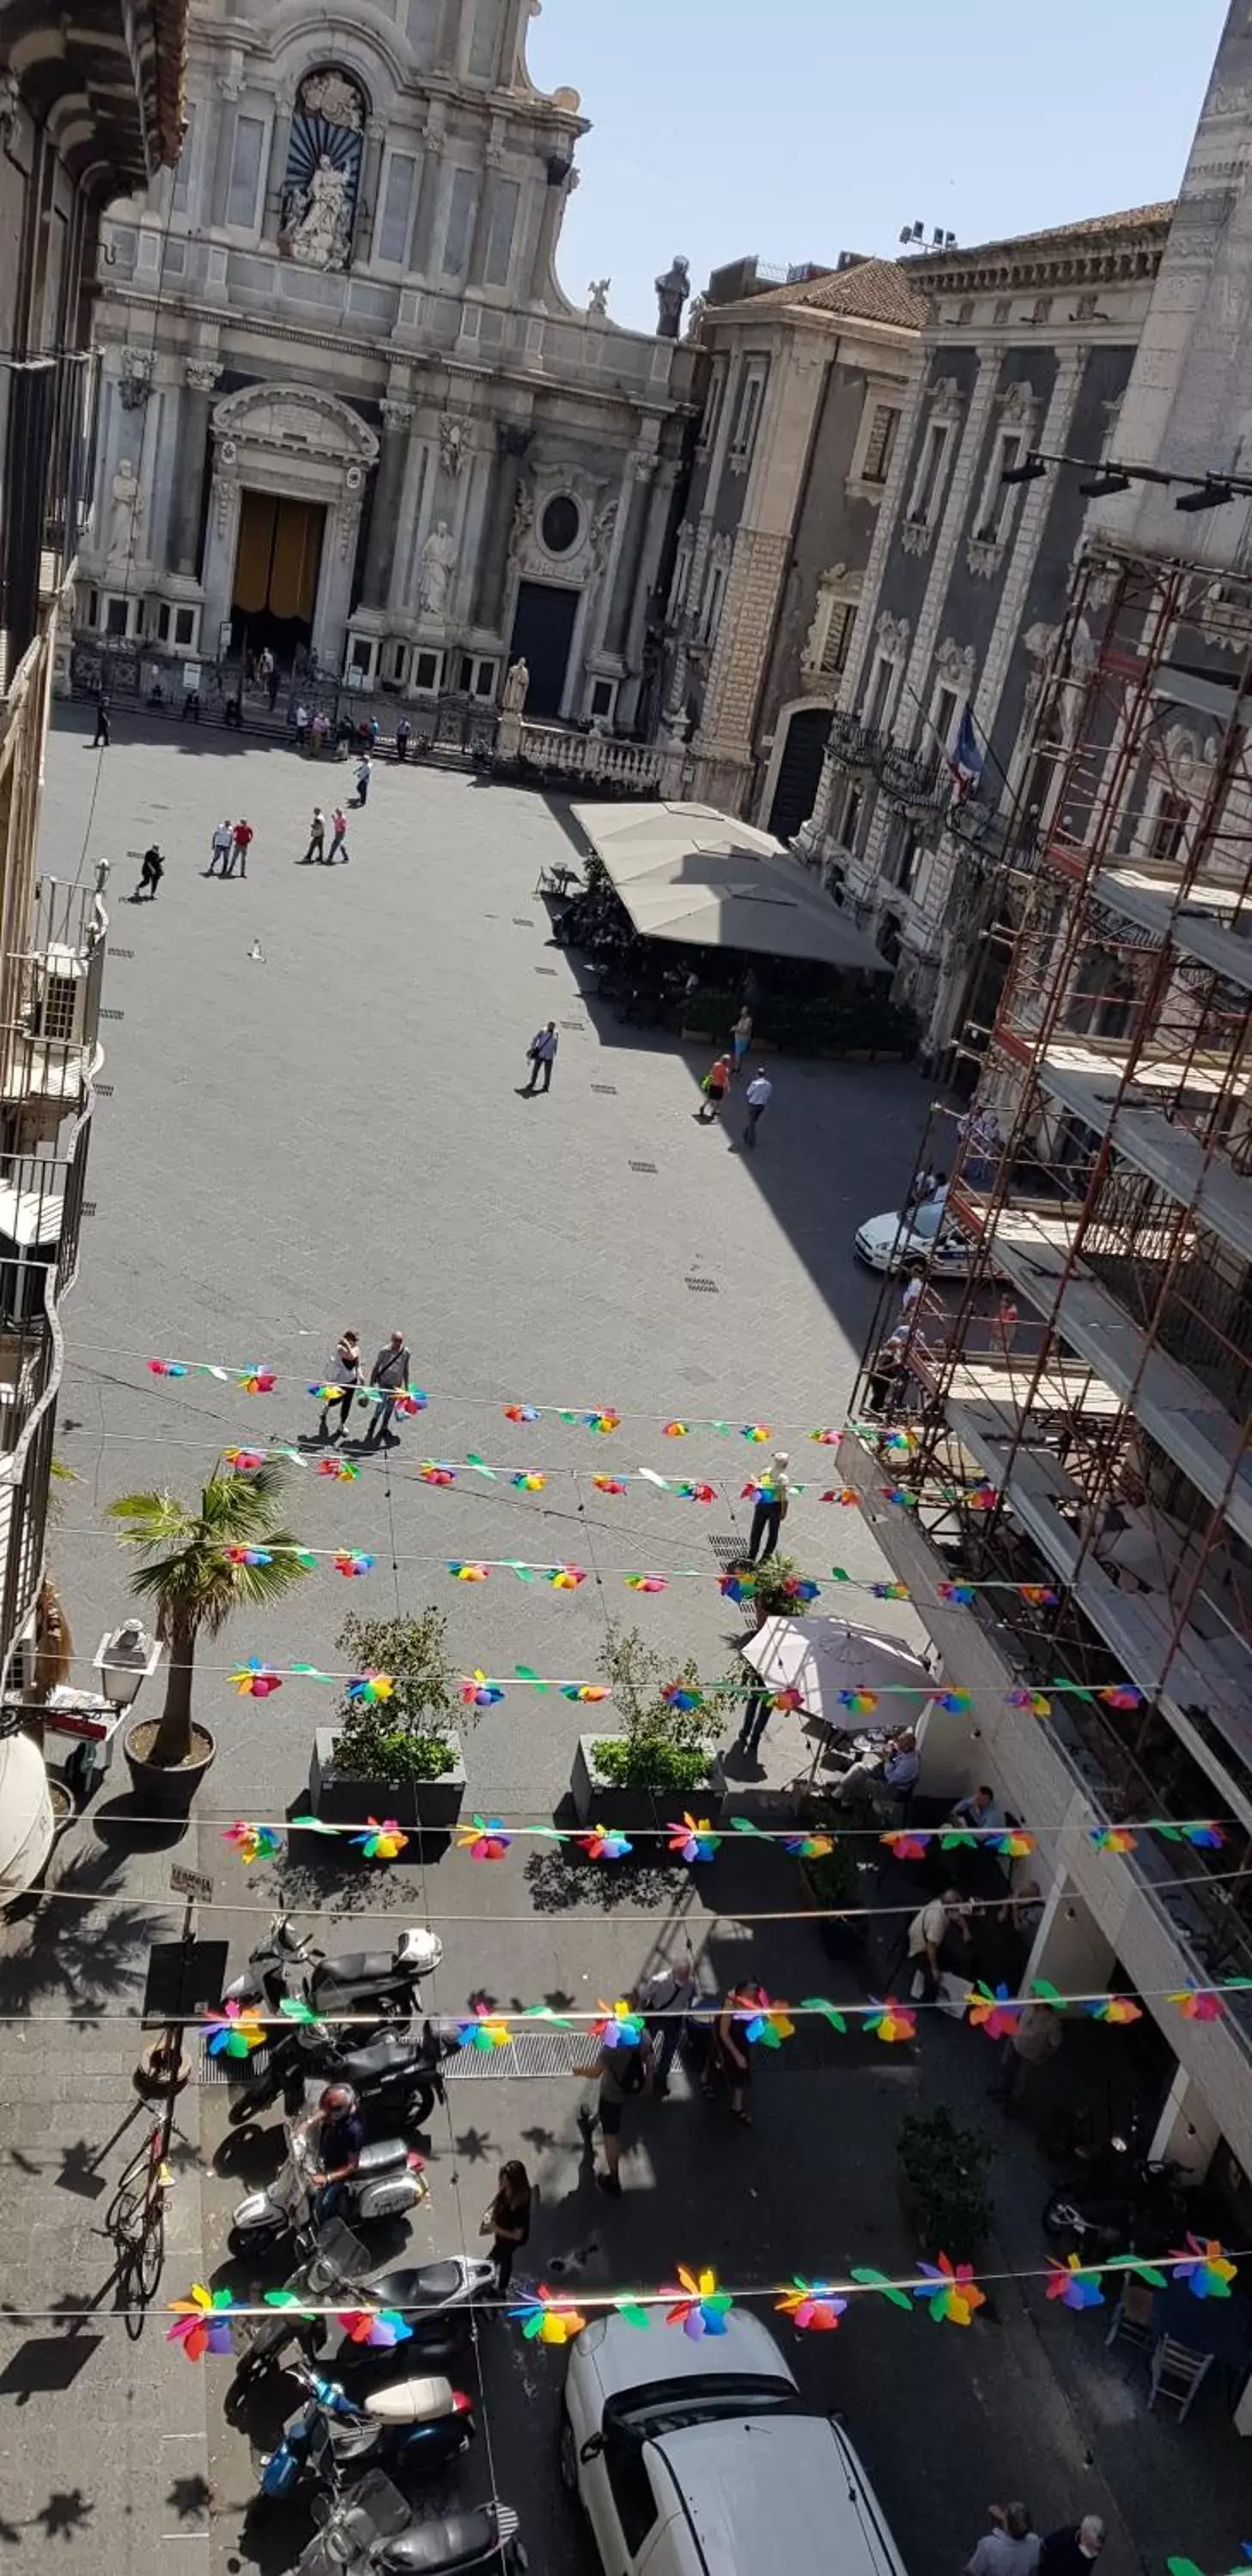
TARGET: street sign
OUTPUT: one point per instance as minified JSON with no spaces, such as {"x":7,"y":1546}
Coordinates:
{"x":190,"y":1883}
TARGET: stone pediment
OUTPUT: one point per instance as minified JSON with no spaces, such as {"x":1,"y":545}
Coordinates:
{"x":292,"y":420}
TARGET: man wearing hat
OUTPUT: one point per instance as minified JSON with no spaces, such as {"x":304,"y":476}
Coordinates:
{"x":771,"y":1511}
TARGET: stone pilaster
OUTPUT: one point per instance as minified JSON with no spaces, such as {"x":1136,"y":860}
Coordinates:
{"x":276,"y":172}
{"x":428,"y":194}
{"x":513,"y":439}
{"x":1032,"y":519}
{"x":380,"y":549}
{"x":200,"y":376}
{"x":562,"y":181}
{"x":367,"y":202}
{"x":229,"y":86}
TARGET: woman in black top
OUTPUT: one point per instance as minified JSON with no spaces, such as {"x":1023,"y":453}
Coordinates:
{"x":507,"y":2220}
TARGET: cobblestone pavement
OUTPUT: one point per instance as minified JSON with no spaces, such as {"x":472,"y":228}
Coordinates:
{"x":329,"y":1131}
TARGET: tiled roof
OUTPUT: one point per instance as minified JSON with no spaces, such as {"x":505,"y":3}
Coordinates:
{"x":872,"y":290}
{"x":1101,"y":228}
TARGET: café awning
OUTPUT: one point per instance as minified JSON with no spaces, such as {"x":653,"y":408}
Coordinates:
{"x":706,"y":880}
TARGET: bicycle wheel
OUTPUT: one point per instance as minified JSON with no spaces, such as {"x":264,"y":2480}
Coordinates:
{"x":150,"y":2252}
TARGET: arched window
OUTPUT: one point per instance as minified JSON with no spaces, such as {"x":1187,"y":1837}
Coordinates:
{"x":323,"y":170}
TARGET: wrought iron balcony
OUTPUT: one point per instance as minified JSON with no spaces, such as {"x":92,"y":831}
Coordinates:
{"x":852,"y":744}
{"x":918,"y":781}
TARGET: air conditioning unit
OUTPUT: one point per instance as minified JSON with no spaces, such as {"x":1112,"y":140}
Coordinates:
{"x":60,"y":984}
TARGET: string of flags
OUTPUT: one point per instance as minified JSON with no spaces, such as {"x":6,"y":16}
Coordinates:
{"x":697,"y":2304}
{"x":694,"y":1839}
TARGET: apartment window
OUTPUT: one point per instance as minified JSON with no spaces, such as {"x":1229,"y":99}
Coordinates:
{"x":902,"y":864}
{"x":182,"y":174}
{"x":838,"y":642}
{"x":850,"y":818}
{"x":751,"y":395}
{"x":881,"y":443}
{"x":602,"y":696}
{"x":923,"y":505}
{"x":245,"y":173}
{"x":714,"y":593}
{"x":426,"y":669}
{"x":462,"y":198}
{"x":711,"y":421}
{"x":1169,"y":829}
{"x":505,"y":199}
{"x":943,"y":718}
{"x":880,"y":692}
{"x":996,"y":508}
{"x":392,"y":239}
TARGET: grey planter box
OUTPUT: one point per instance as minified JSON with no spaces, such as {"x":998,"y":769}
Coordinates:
{"x":342,"y":1797}
{"x":598,"y":1801}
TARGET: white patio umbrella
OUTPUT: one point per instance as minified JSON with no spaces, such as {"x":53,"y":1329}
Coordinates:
{"x":25,"y":1816}
{"x":821,"y":1657}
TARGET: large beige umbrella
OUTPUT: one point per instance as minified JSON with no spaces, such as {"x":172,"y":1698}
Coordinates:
{"x":689,"y":874}
{"x":821,"y":1657}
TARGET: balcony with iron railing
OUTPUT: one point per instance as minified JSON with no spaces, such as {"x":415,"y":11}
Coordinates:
{"x":852,"y":744}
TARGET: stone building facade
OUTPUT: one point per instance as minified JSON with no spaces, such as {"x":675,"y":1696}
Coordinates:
{"x":1028,"y":344}
{"x":348,"y":412}
{"x":803,"y":386}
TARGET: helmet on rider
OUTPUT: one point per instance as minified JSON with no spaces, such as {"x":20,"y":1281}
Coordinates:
{"x":338,"y":2101}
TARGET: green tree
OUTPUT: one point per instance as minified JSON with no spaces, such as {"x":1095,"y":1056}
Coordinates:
{"x":404,"y":1737}
{"x":191,"y":1580}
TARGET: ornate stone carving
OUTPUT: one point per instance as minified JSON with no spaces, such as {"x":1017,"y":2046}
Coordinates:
{"x":201,"y":374}
{"x":1037,"y":643}
{"x":10,"y":108}
{"x":453,"y":442}
{"x":916,"y":536}
{"x":1219,"y":623}
{"x":229,"y":84}
{"x":522,"y":524}
{"x":127,"y":507}
{"x":297,"y":420}
{"x":954,"y":665}
{"x":893,"y":635}
{"x":945,"y":400}
{"x":602,"y":531}
{"x":643,"y":463}
{"x":598,"y":297}
{"x":136,"y":378}
{"x":513,"y":438}
{"x":328,"y":94}
{"x":396,"y":415}
{"x":1018,"y":404}
{"x":319,"y":234}
{"x":376,"y":128}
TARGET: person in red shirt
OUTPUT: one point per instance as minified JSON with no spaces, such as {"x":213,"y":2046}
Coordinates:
{"x":239,"y":848}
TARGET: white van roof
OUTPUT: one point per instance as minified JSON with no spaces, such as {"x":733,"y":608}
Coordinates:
{"x":779,"y":2490}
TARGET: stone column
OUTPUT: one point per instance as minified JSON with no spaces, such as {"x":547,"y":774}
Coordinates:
{"x":563,"y":178}
{"x":384,"y":516}
{"x":367,"y":198}
{"x":200,"y":376}
{"x":493,"y":160}
{"x":513,"y":439}
{"x":428,"y":193}
{"x":229,"y":87}
{"x":662,"y":477}
{"x":276,"y":174}
{"x":221,"y":538}
{"x":334,"y":589}
{"x":621,"y":572}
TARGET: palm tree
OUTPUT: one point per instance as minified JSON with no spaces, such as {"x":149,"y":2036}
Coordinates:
{"x":192,"y":1579}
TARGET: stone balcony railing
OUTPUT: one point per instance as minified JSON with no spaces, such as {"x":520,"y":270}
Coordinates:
{"x":631,"y":768}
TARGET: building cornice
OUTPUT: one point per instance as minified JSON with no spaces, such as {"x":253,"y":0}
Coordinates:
{"x":1075,"y":259}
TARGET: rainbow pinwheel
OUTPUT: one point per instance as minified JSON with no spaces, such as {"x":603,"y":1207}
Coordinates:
{"x":847,"y":1495}
{"x":646,"y":1583}
{"x":383,"y":1841}
{"x":340,"y":1470}
{"x":674,"y":1430}
{"x":808,"y":1846}
{"x":327,"y":1394}
{"x":350,"y":1562}
{"x":483,"y":2029}
{"x":692,"y":1840}
{"x":478,"y":1692}
{"x":982,"y":1498}
{"x":484,"y":1838}
{"x":997,"y":2013}
{"x":608,"y":1485}
{"x":961,"y":1594}
{"x":739,"y":1585}
{"x":463,"y":1571}
{"x":787,"y":1701}
{"x":414,"y":1400}
{"x":891,"y":2021}
{"x":1034,"y":1702}
{"x":1199,"y":2004}
{"x":254,"y":1680}
{"x":600,"y":1844}
{"x":248,"y":1555}
{"x":1015,"y":1844}
{"x":890,"y":1591}
{"x":1074,"y":2287}
{"x":202,"y":2322}
{"x":898,"y":1494}
{"x":1206,"y":2268}
{"x":696,"y":1493}
{"x":800,"y":1587}
{"x":812,"y":2306}
{"x":566,"y":1578}
{"x":244,"y":1461}
{"x":585,"y":1691}
{"x":700,"y":2308}
{"x":1112,"y":1838}
{"x":377,"y":2328}
{"x":680,"y":1695}
{"x":433,"y":1474}
{"x":254,"y":1842}
{"x":234,"y":2031}
{"x":765,"y":2024}
{"x":861,"y":1702}
{"x":1113,"y":2008}
{"x":905,"y":1844}
{"x":951,"y":2291}
{"x":1039,"y":1595}
{"x":756,"y":1431}
{"x":257,"y":1381}
{"x":167,"y":1368}
{"x":759,"y":1489}
{"x":1203,"y":1837}
{"x":620,"y":2027}
{"x":827,"y":1439}
{"x":521,"y":1413}
{"x":528,"y":1480}
{"x":367,"y":1689}
{"x":954,"y":1703}
{"x":603,"y":1420}
{"x":1121,"y":1695}
{"x":544,"y":2318}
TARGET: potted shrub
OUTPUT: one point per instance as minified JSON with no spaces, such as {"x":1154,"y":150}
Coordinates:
{"x":770,"y":1596}
{"x":832,"y":1879}
{"x":662,"y":1761}
{"x":196,"y":1580}
{"x":399,"y":1756}
{"x":943,"y":2184}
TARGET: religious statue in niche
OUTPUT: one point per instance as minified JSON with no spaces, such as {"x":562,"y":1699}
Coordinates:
{"x":438,"y":561}
{"x":323,"y":171}
{"x":126,"y":513}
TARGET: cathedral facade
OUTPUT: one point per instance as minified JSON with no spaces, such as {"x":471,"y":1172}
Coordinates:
{"x":347,"y":414}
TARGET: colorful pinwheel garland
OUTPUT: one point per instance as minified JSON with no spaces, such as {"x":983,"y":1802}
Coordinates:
{"x":545,"y":2318}
{"x":202,"y":2321}
{"x":812,"y":2306}
{"x":255,"y":1680}
{"x":234,"y":2031}
{"x":600,"y":1844}
{"x":383,"y":1841}
{"x":693,"y":1840}
{"x":484,"y":1838}
{"x":700,"y":2308}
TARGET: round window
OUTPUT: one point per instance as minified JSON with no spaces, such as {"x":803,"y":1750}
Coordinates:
{"x":560,"y":524}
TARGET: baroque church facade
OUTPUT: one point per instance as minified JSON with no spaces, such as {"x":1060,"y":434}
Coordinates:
{"x":347,"y":413}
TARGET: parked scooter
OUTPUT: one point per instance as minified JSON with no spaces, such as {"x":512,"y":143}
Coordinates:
{"x":414,"y":2427}
{"x":291,"y":1963}
{"x":1146,"y":2214}
{"x":395,"y":2075}
{"x":434,"y":2300}
{"x":385,"y":2180}
{"x":332,"y":2275}
{"x":373,"y":2529}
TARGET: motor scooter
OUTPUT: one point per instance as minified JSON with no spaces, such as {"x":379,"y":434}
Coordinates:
{"x":395,"y":2075}
{"x":415,"y":2426}
{"x":433,"y":2300}
{"x":385,"y":2180}
{"x":1146,"y":2212}
{"x":373,"y":2529}
{"x":291,"y":1964}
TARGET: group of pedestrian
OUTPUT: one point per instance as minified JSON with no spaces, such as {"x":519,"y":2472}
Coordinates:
{"x":720,"y":1078}
{"x":1013,"y":2547}
{"x":317,"y":854}
{"x":668,"y":2005}
{"x":231,"y":844}
{"x":345,"y":1381}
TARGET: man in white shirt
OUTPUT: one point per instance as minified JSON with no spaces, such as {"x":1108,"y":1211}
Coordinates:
{"x":770,"y":1509}
{"x":223,"y":836}
{"x":542,"y":1054}
{"x":759,"y":1093}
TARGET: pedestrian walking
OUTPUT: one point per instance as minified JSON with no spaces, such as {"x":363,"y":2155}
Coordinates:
{"x":758,"y":1711}
{"x":338,"y":840}
{"x":263,"y":667}
{"x":101,"y":734}
{"x":741,"y":1036}
{"x":928,"y":1932}
{"x":506,"y":2220}
{"x":731,"y":2055}
{"x":770,"y":1509}
{"x":403,"y":730}
{"x":715,"y":1086}
{"x":364,"y":774}
{"x":1010,"y":2548}
{"x":1070,"y":2552}
{"x":344,"y":1375}
{"x":241,"y":842}
{"x":318,"y":731}
{"x":759,"y":1094}
{"x":541,"y":1055}
{"x":223,"y":835}
{"x":620,"y":2074}
{"x":302,"y":727}
{"x":150,"y":876}
{"x":316,"y":850}
{"x":666,"y":1999}
{"x":371,"y":733}
{"x":391,"y":1372}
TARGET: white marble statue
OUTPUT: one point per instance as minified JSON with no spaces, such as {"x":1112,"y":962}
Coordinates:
{"x":513,"y":694}
{"x":126,"y":517}
{"x":598,"y":297}
{"x":320,"y":239}
{"x":438,"y":561}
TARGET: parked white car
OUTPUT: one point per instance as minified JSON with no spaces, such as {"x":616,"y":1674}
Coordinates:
{"x":927,"y":1234}
{"x":715,"y":2465}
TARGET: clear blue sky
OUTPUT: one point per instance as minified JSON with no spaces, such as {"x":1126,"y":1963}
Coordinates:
{"x":800,"y":128}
